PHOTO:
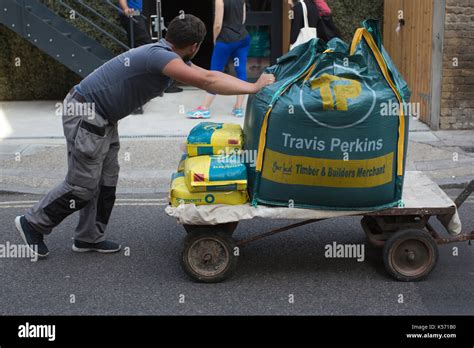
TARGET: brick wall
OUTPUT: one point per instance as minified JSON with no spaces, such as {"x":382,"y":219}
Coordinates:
{"x":457,"y":98}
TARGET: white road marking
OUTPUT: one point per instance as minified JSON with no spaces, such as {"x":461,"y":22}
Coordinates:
{"x":139,"y":204}
{"x":118,"y":202}
{"x":125,"y":202}
{"x":15,"y":206}
{"x":18,"y":202}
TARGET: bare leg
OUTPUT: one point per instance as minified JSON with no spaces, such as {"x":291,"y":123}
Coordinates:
{"x":239,"y":101}
{"x":208,"y":100}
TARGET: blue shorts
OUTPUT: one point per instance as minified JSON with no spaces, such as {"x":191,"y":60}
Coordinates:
{"x":238,"y":51}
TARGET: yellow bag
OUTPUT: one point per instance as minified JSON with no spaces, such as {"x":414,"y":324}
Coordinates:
{"x":179,"y":194}
{"x":209,"y":138}
{"x":215,"y":173}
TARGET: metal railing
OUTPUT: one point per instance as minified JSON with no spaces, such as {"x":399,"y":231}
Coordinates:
{"x":91,"y":9}
{"x":103,"y":28}
{"x":94,"y":25}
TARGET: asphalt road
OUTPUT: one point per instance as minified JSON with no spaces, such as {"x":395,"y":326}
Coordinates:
{"x":150,"y":280}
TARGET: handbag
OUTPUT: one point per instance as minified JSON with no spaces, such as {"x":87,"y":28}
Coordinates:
{"x":306,"y":33}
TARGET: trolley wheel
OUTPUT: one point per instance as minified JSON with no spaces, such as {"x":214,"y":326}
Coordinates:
{"x":209,"y":257}
{"x":410,"y":255}
{"x":226,"y":228}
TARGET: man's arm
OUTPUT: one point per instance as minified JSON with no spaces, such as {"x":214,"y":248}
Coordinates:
{"x":198,"y":68}
{"x":213,"y":81}
{"x":218,"y":19}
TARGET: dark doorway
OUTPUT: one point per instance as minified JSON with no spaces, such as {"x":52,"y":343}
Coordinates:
{"x":200,"y":8}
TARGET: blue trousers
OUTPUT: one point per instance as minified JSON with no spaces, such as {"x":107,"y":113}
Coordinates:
{"x":237,"y":51}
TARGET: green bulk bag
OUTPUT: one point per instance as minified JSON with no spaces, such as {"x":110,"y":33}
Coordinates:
{"x":320,"y":132}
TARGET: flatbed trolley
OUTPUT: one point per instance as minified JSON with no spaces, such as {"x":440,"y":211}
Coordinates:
{"x":409,"y":241}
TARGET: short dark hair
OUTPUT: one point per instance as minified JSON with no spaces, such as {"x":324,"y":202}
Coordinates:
{"x":185,"y":30}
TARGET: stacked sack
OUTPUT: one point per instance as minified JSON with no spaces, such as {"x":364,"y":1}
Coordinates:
{"x":210,"y":173}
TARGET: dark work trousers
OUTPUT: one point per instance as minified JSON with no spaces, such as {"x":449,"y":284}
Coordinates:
{"x":91,"y":181}
{"x":141,"y":35}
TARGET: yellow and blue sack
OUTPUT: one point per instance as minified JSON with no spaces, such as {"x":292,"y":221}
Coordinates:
{"x":179,"y":194}
{"x":181,"y":163}
{"x":210,"y":138}
{"x":215,"y":173}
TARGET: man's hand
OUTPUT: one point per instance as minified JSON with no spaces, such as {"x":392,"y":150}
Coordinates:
{"x":264,"y":80}
{"x":124,"y":6}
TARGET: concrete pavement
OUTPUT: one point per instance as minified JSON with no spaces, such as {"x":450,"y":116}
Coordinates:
{"x":164,"y":116}
{"x":33,"y":155}
{"x":446,"y":156}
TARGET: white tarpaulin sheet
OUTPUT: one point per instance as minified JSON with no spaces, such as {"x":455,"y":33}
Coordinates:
{"x":419,"y":191}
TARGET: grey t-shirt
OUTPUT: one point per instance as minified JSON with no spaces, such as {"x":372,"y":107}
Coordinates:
{"x":129,"y":80}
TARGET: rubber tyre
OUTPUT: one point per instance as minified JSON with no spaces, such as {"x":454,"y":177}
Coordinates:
{"x":209,"y":257}
{"x":410,"y":255}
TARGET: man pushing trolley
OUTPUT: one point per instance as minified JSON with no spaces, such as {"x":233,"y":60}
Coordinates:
{"x":90,"y":115}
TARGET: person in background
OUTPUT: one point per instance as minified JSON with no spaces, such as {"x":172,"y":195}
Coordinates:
{"x":231,"y":41}
{"x":297,"y":22}
{"x":327,"y":29}
{"x":141,"y":35}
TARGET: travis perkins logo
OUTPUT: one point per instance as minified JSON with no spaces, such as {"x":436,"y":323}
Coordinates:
{"x":337,"y":95}
{"x":37,"y":331}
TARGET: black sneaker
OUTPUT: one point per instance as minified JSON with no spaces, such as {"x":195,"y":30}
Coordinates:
{"x":32,"y":238}
{"x":173,"y":89}
{"x":104,"y":247}
{"x":138,"y":111}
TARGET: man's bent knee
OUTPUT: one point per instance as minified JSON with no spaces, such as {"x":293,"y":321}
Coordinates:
{"x":64,"y":206}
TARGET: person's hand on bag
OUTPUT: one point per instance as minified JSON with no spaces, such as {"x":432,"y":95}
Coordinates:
{"x":264,"y":80}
